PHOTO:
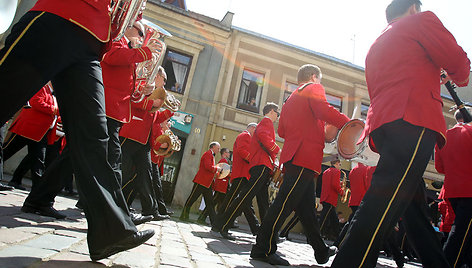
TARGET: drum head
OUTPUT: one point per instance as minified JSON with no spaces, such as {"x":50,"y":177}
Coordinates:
{"x":348,"y":137}
{"x":226,"y":169}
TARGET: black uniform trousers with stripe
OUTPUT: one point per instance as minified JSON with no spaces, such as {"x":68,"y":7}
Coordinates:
{"x":296,"y":193}
{"x":44,"y":47}
{"x":236,"y":186}
{"x":137,"y":175}
{"x":459,"y":242}
{"x":397,"y":190}
{"x":198,"y":190}
{"x":260,"y":176}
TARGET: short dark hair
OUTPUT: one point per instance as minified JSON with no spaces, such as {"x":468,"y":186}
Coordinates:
{"x":335,"y":161}
{"x":307,"y":71}
{"x":399,"y":7}
{"x":269,"y":107}
{"x":458,"y":114}
{"x":223,"y":150}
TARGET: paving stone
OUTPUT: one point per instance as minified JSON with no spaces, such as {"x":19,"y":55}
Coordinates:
{"x":22,"y":256}
{"x":68,"y":259}
{"x":175,"y":260}
{"x":142,"y":256}
{"x":11,"y":235}
{"x":71,"y":233}
{"x":51,"y":241}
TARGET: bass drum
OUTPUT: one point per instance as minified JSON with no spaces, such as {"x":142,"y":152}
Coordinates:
{"x":348,"y":147}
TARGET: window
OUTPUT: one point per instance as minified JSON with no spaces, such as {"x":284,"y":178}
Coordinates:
{"x":364,"y":109}
{"x":250,"y":91}
{"x":177,"y":66}
{"x":335,"y":101}
{"x":289,"y":88}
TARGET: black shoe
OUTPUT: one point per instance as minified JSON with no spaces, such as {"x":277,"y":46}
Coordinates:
{"x":4,"y":187}
{"x":44,"y":211}
{"x":79,"y":205}
{"x":322,"y":258}
{"x":71,"y":193}
{"x":130,"y":242}
{"x":167,"y":212}
{"x":138,"y":219}
{"x":227,"y":236}
{"x":273,"y":259}
{"x":159,"y":217}
{"x":16,"y":185}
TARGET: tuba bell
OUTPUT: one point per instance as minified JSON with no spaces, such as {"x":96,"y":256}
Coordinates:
{"x":123,"y":14}
{"x":173,"y":142}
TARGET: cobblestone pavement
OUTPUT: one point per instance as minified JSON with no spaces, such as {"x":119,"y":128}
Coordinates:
{"x":29,"y":240}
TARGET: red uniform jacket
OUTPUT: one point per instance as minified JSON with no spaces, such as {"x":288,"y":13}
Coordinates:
{"x":447,"y":216}
{"x":402,"y":70}
{"x":368,"y":176}
{"x":455,"y":161}
{"x":331,"y":186}
{"x":33,"y":123}
{"x":207,"y":170}
{"x":118,"y":66}
{"x":358,"y":187}
{"x":91,"y":15}
{"x":221,"y":185}
{"x":263,"y":149}
{"x":301,"y":124}
{"x":241,"y":156}
{"x":139,"y":128}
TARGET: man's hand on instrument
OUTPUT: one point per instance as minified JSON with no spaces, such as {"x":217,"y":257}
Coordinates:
{"x":445,"y":79}
{"x":219,"y":169}
{"x":155,"y":47}
{"x":148,"y":89}
{"x":158,"y":103}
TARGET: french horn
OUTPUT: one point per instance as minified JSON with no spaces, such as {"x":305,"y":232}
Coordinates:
{"x":173,"y":142}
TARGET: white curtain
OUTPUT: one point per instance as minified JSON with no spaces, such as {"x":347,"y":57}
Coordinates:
{"x":179,"y":71}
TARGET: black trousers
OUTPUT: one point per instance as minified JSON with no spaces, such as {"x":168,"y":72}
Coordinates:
{"x":329,"y":224}
{"x":218,"y":198}
{"x":56,"y":177}
{"x":35,"y":159}
{"x":289,"y":226}
{"x":137,"y":178}
{"x":43,"y":47}
{"x":236,"y":186}
{"x":114,"y":147}
{"x":262,"y":198}
{"x":458,"y":244}
{"x":259,"y":178}
{"x":198,"y":190}
{"x":157,"y":186}
{"x":343,"y":232}
{"x":2,"y":135}
{"x":296,"y":193}
{"x":397,"y":190}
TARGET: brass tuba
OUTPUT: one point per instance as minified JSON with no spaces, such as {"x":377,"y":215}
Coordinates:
{"x":123,"y":14}
{"x":172,"y":140}
{"x":147,"y":71}
{"x":344,"y":187}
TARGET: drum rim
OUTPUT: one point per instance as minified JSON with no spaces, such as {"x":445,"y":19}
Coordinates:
{"x":360,"y":147}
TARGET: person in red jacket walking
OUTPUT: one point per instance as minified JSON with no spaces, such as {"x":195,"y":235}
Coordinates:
{"x":404,"y":122}
{"x":454,"y":161}
{"x":202,"y":182}
{"x":63,"y":42}
{"x":330,"y":189}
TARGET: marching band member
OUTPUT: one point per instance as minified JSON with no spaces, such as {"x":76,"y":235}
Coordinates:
{"x":263,"y":152}
{"x":63,"y":42}
{"x":404,"y":122}
{"x":32,"y":128}
{"x":330,"y":189}
{"x":136,"y":148}
{"x":219,"y":186}
{"x":454,"y":160}
{"x":240,"y":175}
{"x":302,"y":126}
{"x":119,"y":75}
{"x":202,"y":183}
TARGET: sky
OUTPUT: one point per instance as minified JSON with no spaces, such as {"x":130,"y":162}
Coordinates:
{"x":344,"y":29}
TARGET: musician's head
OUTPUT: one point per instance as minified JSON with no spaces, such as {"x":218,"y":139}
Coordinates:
{"x":251,"y":127}
{"x":458,"y":115}
{"x":402,"y":8}
{"x":224,"y":152}
{"x":215,"y":147}
{"x":135,"y":34}
{"x":336,"y":163}
{"x":309,"y":73}
{"x":161,"y":77}
{"x":271,"y":110}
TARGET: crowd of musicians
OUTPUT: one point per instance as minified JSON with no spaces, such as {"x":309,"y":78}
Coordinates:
{"x":78,"y":108}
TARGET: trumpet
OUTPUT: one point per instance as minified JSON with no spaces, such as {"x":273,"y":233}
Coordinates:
{"x":344,"y":187}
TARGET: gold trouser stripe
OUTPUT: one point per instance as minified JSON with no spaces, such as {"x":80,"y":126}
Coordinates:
{"x":123,"y":141}
{"x":129,"y":181}
{"x":242,"y":200}
{"x":463,"y":241}
{"x":191,"y":194}
{"x":326,"y":216}
{"x":9,"y":141}
{"x":403,"y":241}
{"x":232,"y":196}
{"x":294,"y":222}
{"x":129,"y":196}
{"x":281,"y":210}
{"x":19,"y":37}
{"x":393,"y":197}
